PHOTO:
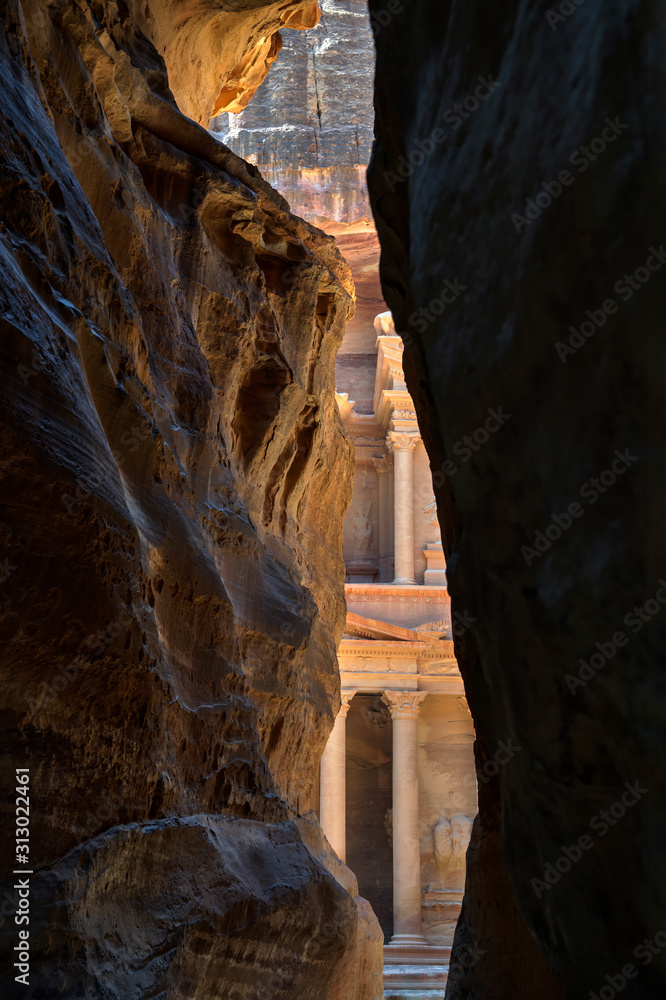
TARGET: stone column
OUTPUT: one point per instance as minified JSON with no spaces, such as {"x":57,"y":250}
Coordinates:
{"x":383,"y":467}
{"x":332,"y":784}
{"x":390,"y":562}
{"x":404,"y":709}
{"x":402,"y":446}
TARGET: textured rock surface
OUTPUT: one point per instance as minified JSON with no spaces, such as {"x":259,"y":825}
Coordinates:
{"x":171,"y":533}
{"x":446,"y":215}
{"x":267,"y":920}
{"x":310,"y":126}
{"x":216,"y":55}
{"x":359,"y":971}
{"x":309,"y":129}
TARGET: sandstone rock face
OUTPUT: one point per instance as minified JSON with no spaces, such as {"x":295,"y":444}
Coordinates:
{"x":171,"y":532}
{"x":360,"y":971}
{"x":217,"y":56}
{"x":450,"y":188}
{"x":309,"y":128}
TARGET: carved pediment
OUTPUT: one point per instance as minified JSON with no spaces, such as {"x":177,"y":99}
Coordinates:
{"x":369,"y":628}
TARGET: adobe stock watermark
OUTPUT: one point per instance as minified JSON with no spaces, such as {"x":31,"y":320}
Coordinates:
{"x":98,"y":644}
{"x":504,"y":753}
{"x":590,"y":491}
{"x":461,"y":621}
{"x":636,"y":620}
{"x":37,"y":366}
{"x":467,"y":956}
{"x":600,"y":824}
{"x":471,"y":443}
{"x":645,"y":952}
{"x":421,"y":319}
{"x":625,"y":287}
{"x":563,"y":12}
{"x":581,"y":159}
{"x":491,"y":767}
{"x":380,"y":19}
{"x":452,"y":117}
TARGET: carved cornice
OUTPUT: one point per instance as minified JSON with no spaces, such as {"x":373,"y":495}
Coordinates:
{"x":403,"y":704}
{"x":375,"y":647}
{"x":396,"y":441}
{"x":439,"y":626}
{"x":423,"y":650}
{"x":363,"y":441}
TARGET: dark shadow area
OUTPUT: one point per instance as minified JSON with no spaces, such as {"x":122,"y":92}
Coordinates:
{"x":369,"y":843}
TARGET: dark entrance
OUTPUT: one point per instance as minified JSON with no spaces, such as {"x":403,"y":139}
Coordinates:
{"x":369,"y":797}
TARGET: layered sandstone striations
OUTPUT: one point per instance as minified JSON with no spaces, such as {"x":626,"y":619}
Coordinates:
{"x":310,"y":126}
{"x":309,"y":129}
{"x":537,"y":96}
{"x":171,"y":532}
{"x":216,"y":55}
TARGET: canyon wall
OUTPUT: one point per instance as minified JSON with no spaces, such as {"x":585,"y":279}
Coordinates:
{"x":518,"y":193}
{"x":309,"y":128}
{"x":171,"y":553}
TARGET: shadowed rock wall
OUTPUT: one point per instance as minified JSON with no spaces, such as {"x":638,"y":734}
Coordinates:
{"x":518,"y":158}
{"x":174,"y":479}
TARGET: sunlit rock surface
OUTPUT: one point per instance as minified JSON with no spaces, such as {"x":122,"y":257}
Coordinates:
{"x":310,"y":125}
{"x":217,"y":55}
{"x":470,"y":196}
{"x":309,"y":129}
{"x":171,"y":531}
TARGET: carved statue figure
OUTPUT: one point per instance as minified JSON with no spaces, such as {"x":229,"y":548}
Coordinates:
{"x":441,"y":837}
{"x":461,"y":833}
{"x":362,"y":528}
{"x":450,"y":840}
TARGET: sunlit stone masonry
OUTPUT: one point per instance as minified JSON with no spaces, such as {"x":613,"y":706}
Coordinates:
{"x":398,"y":792}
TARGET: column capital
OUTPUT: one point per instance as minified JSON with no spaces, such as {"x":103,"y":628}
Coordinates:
{"x":345,"y":702}
{"x":400,"y":441}
{"x":383,"y":465}
{"x":403,"y":704}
